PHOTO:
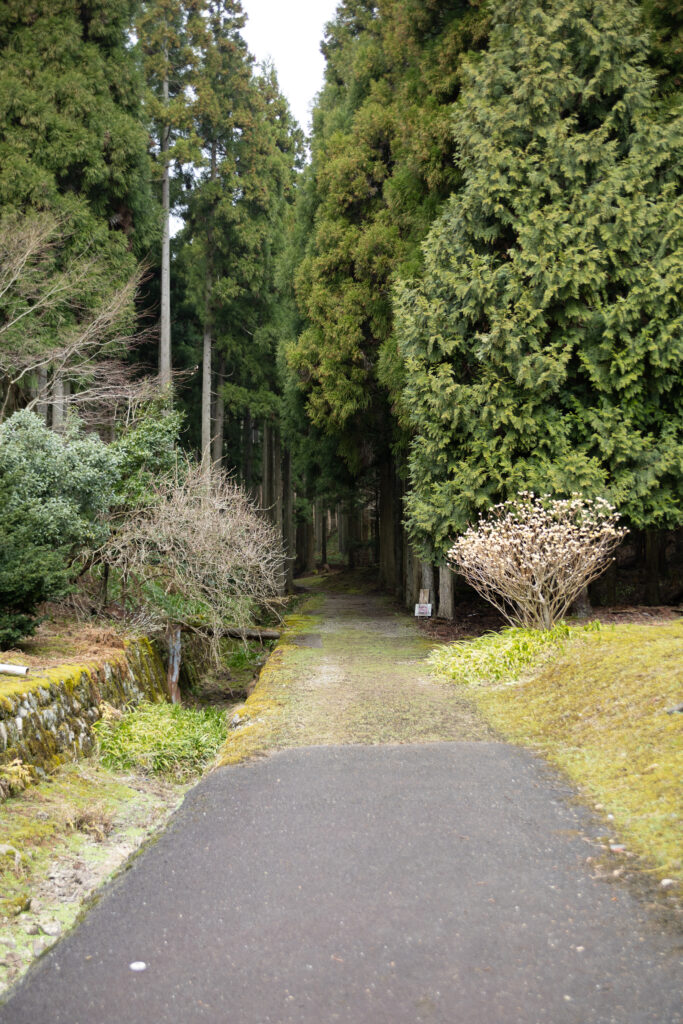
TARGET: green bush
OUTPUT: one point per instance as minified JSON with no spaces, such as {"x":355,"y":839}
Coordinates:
{"x":162,"y":739}
{"x":498,"y":657}
{"x":53,"y":491}
{"x":146,"y":453}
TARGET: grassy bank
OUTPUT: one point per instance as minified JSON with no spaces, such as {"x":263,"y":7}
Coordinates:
{"x":594,"y":702}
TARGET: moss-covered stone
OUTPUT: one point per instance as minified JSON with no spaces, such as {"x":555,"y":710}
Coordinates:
{"x":47,"y":718}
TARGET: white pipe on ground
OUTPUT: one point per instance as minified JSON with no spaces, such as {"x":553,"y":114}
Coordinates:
{"x":13,"y":670}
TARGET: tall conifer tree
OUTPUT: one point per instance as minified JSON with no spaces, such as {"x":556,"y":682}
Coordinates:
{"x":543,"y":343}
{"x":165,"y":29}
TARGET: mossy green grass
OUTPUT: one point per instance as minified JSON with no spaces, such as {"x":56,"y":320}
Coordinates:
{"x":61,"y":839}
{"x":367,"y":683}
{"x":596,"y":706}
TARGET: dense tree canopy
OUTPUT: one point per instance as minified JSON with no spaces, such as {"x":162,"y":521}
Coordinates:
{"x":543,"y":341}
{"x":381,"y":162}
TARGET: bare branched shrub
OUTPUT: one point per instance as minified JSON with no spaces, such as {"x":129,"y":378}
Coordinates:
{"x":531,"y":557}
{"x":199,"y":554}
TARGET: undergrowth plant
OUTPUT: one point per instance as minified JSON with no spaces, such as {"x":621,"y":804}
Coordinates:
{"x":161,"y":739}
{"x":501,"y":657}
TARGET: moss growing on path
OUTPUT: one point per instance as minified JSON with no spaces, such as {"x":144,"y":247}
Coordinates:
{"x":598,"y":710}
{"x":366,"y":682}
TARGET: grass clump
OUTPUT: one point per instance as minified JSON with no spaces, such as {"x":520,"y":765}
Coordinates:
{"x":161,"y":739}
{"x":498,"y":657}
{"x":598,"y":710}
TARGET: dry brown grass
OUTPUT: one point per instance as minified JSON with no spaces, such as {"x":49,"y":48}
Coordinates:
{"x":62,"y":639}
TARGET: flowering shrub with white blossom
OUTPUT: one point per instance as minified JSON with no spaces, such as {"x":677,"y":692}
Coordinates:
{"x":532,"y":556}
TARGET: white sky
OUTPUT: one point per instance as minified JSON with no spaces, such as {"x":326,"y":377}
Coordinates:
{"x":289,"y":32}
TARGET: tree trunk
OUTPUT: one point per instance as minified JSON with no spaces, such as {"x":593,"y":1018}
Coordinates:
{"x":345,"y":533}
{"x":582,"y":605}
{"x":208,"y":336}
{"x":399,"y":540}
{"x":446,"y":603}
{"x":310,"y":547}
{"x":352,"y":536}
{"x":248,"y":449}
{"x":427,"y":581}
{"x":317,"y":524}
{"x":219,"y":417}
{"x":652,"y":544}
{"x":206,"y":386}
{"x":277,"y":478}
{"x":41,"y":392}
{"x":287,"y":522}
{"x":58,"y":403}
{"x":611,"y":585}
{"x":387,"y":523}
{"x":165,"y":325}
{"x":323,"y":538}
{"x":413,"y":577}
{"x":266,"y":470}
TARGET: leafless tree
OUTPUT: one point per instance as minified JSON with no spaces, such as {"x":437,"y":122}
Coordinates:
{"x":531,"y":557}
{"x":71,"y":353}
{"x":200,"y":555}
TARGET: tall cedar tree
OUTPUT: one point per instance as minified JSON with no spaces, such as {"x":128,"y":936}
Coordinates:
{"x":73,"y":149}
{"x":543,"y":343}
{"x":382,"y":165}
{"x":166,"y":31}
{"x":235,"y":230}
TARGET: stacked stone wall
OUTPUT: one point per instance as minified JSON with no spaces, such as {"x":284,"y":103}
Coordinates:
{"x":47,"y":718}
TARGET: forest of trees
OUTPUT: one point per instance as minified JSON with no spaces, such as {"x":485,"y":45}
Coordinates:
{"x":468,"y":283}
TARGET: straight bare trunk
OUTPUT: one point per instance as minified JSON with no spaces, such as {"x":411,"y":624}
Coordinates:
{"x":206,"y":390}
{"x":59,"y":395}
{"x":165,"y":325}
{"x":219,"y":417}
{"x":287,"y":521}
{"x":446,"y":603}
{"x":387,"y":539}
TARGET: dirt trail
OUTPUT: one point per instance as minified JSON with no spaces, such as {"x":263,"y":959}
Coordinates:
{"x":351,"y":669}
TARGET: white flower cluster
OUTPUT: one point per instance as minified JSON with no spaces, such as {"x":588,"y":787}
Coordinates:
{"x":532,"y":556}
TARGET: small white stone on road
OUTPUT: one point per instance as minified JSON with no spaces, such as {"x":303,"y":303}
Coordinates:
{"x":668,"y":883}
{"x":138,"y":965}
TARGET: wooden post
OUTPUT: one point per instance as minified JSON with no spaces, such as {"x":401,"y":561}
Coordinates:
{"x":174,"y":641}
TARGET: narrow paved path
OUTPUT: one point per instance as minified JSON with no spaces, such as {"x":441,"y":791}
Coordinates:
{"x":373,"y":879}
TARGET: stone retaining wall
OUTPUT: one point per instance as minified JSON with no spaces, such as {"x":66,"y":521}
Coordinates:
{"x":47,"y":719}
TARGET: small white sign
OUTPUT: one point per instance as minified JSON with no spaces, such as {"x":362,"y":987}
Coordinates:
{"x":424,"y":610}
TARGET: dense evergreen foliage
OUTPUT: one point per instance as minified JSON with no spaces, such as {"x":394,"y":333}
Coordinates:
{"x":474,"y":286}
{"x":54,"y":490}
{"x":543,"y":342}
{"x":381,"y":165}
{"x":71,"y":135}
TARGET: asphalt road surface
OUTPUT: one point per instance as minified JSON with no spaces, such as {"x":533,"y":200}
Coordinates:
{"x":443,"y":882}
